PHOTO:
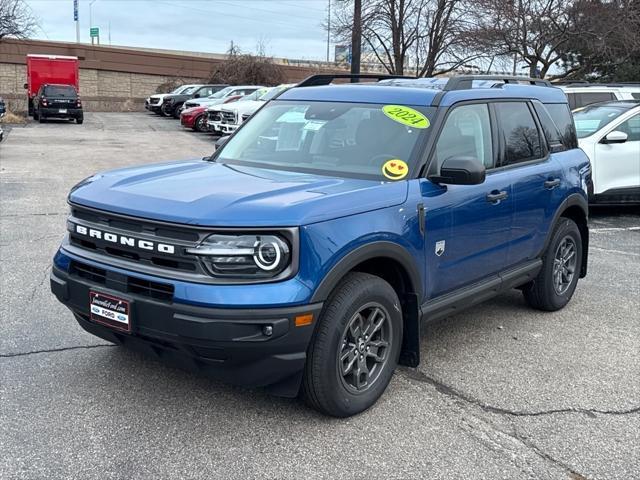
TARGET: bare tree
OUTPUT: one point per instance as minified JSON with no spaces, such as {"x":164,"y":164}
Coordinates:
{"x":16,"y":19}
{"x":243,"y":68}
{"x":609,"y":45}
{"x":427,"y":35}
{"x":443,"y":42}
{"x":535,"y":32}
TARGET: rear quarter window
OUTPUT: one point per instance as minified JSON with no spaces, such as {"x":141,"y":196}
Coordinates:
{"x":563,"y":121}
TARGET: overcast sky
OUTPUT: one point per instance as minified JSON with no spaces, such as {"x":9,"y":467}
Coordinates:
{"x":288,"y":28}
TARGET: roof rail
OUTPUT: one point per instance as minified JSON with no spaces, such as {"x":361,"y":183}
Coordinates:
{"x":587,"y":84}
{"x":464,"y":82}
{"x":326,"y":79}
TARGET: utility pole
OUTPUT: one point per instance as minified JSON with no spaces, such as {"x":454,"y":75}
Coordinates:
{"x":356,"y":37}
{"x":91,"y":18}
{"x":76,"y":18}
{"x":328,"y":27}
{"x":109,"y":32}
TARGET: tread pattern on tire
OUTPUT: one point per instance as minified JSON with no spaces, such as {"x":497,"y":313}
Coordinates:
{"x":536,"y":293}
{"x":314,"y":389}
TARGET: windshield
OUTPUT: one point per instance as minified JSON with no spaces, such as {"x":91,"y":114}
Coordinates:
{"x":590,"y":119}
{"x":189,"y":90}
{"x":330,"y":138}
{"x":254,"y":96}
{"x":179,"y":89}
{"x":221,"y":93}
{"x":273,"y":92}
{"x":60,"y":91}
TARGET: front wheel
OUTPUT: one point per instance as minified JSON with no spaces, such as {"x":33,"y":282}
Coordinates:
{"x":200,"y":125}
{"x":552,"y":289}
{"x":356,"y":347}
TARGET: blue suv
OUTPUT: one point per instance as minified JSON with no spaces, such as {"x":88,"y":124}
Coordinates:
{"x":303,"y":255}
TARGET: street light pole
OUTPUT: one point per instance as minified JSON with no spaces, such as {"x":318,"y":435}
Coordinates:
{"x":91,"y":17}
{"x":356,"y":37}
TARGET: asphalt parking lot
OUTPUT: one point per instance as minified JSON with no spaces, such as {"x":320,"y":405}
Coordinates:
{"x":503,"y":391}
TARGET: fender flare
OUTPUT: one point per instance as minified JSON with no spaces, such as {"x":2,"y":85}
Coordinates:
{"x":575,"y":199}
{"x":367,"y":252}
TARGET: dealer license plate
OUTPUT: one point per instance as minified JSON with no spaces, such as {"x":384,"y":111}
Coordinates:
{"x":111,"y":311}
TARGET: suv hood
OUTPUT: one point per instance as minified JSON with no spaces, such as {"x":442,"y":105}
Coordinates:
{"x":206,"y":193}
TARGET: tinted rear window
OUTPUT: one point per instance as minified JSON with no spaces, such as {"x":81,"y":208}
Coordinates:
{"x":60,"y":91}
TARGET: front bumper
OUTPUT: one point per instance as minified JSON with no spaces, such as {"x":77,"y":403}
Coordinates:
{"x":152,"y":107}
{"x":187,"y":121}
{"x":230,"y":344}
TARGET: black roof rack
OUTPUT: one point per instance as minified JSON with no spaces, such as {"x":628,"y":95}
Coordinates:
{"x":326,"y":79}
{"x":584,"y":83}
{"x":464,"y":82}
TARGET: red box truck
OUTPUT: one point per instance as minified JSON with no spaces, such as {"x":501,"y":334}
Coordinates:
{"x":56,"y":69}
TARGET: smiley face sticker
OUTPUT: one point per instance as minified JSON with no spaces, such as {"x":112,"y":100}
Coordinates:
{"x":395,"y":169}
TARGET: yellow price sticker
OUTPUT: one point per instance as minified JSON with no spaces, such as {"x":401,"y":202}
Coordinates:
{"x":406,"y":116}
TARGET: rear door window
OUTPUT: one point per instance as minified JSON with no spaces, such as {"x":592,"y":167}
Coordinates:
{"x":519,"y":133}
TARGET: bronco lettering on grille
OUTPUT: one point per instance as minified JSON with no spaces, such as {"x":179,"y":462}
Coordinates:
{"x":123,"y":240}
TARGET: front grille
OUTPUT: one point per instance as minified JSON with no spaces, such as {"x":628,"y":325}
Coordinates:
{"x":120,"y":238}
{"x":154,"y":101}
{"x":122,"y":283}
{"x":215,"y":116}
{"x":228,"y":117}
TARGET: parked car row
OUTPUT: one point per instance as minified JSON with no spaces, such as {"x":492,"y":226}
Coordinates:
{"x":215,"y":108}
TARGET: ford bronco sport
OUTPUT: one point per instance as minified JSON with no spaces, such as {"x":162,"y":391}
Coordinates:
{"x":303,"y":254}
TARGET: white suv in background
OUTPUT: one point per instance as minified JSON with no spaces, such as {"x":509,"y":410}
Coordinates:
{"x":582,"y":94}
{"x":609,"y":133}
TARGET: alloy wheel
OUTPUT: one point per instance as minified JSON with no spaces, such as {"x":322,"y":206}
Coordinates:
{"x":564,"y":265}
{"x":365,"y":347}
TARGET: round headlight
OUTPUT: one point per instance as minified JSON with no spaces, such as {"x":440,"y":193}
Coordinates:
{"x":246,"y":256}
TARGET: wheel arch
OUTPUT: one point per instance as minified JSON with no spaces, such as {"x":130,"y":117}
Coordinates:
{"x":394,"y":264}
{"x":576,"y":208}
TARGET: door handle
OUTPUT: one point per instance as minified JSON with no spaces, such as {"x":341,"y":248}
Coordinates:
{"x":551,"y":183}
{"x":496,"y":196}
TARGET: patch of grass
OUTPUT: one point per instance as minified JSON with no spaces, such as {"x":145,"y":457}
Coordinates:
{"x":13,"y":118}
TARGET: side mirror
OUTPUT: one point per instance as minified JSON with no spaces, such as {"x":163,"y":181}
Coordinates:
{"x":460,"y":171}
{"x":197,"y":95}
{"x":615,"y":137}
{"x":221,"y":141}
{"x":26,"y":86}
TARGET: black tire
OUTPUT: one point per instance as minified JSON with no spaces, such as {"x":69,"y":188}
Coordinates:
{"x":35,"y":115}
{"x":176,"y":111}
{"x":325,"y":387}
{"x":165,"y":111}
{"x":41,"y":119}
{"x":79,"y":120}
{"x":200,"y":125}
{"x":544,"y":292}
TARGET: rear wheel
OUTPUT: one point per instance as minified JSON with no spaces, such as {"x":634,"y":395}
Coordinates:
{"x":35,"y":115}
{"x":356,"y":347}
{"x":41,"y":119}
{"x":176,"y":111}
{"x":562,"y":261}
{"x":79,"y":120}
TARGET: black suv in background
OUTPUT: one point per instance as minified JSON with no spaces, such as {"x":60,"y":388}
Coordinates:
{"x":57,"y":101}
{"x":172,"y":103}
